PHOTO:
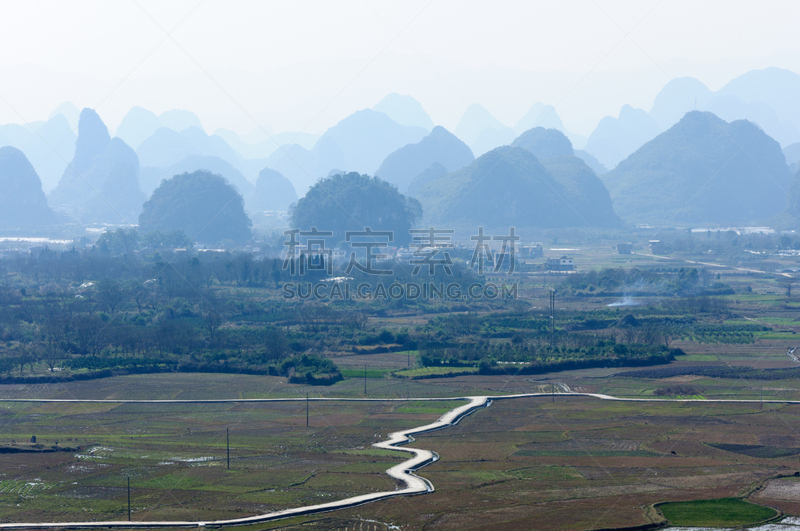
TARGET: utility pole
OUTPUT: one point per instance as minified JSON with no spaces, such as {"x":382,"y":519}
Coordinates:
{"x":228,"y":446}
{"x":552,"y":318}
{"x":129,"y":498}
{"x":554,"y":392}
{"x":365,"y":379}
{"x":306,"y":409}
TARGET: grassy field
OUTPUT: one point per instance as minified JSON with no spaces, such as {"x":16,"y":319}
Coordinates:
{"x":585,"y":464}
{"x":725,"y":512}
{"x":175,"y":457}
{"x":546,"y":463}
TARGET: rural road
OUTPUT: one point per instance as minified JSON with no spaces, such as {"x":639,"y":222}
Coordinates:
{"x":713,"y":264}
{"x":404,"y":472}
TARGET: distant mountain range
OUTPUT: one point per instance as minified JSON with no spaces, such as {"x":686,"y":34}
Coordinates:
{"x":615,"y":138}
{"x":140,"y":124}
{"x":151,"y":176}
{"x":765,"y":97}
{"x":398,"y":141}
{"x":270,"y":191}
{"x":49,"y":146}
{"x":358,"y":143}
{"x":481,"y":131}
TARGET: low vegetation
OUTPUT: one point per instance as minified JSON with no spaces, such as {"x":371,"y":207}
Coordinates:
{"x":727,"y":512}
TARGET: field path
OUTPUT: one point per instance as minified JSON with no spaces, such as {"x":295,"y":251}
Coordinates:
{"x":404,"y":472}
{"x":714,"y":264}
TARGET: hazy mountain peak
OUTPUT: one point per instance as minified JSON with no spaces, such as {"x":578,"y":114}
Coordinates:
{"x":441,"y":146}
{"x":539,"y":115}
{"x":482,"y":131}
{"x":24,"y":202}
{"x":47,"y":146}
{"x":475,"y":119}
{"x":510,"y":186}
{"x":179,"y":119}
{"x":70,"y":112}
{"x":101,"y":184}
{"x":273,"y":191}
{"x":544,"y":143}
{"x":92,"y":139}
{"x":773,"y":86}
{"x":703,"y":170}
{"x":166,"y":147}
{"x":404,"y":110}
{"x":138,"y":125}
{"x":678,"y":97}
{"x":615,"y":138}
{"x":365,"y":138}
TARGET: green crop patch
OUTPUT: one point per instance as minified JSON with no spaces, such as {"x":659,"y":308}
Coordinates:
{"x":427,"y":372}
{"x":726,"y":512}
{"x":699,"y":357}
{"x":369,"y":373}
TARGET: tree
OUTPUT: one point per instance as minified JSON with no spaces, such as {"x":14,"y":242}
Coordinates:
{"x":110,"y":294}
{"x":51,"y":354}
{"x":786,"y":283}
{"x":213,"y":320}
{"x":202,"y":205}
{"x":138,"y":292}
{"x":119,"y":242}
{"x":351,"y":202}
{"x":7,"y":296}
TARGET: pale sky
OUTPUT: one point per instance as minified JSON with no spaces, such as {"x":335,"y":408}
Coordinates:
{"x":295,"y":65}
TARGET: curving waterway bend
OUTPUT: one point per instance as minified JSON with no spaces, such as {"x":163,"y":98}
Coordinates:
{"x":403,"y":472}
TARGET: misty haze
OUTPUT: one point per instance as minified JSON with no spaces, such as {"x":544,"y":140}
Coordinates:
{"x":424,"y":265}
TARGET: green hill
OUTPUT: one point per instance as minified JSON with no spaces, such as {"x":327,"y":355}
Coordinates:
{"x":508,"y":186}
{"x":702,"y":171}
{"x":202,"y":205}
{"x":350,"y":202}
{"x":587,"y":192}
